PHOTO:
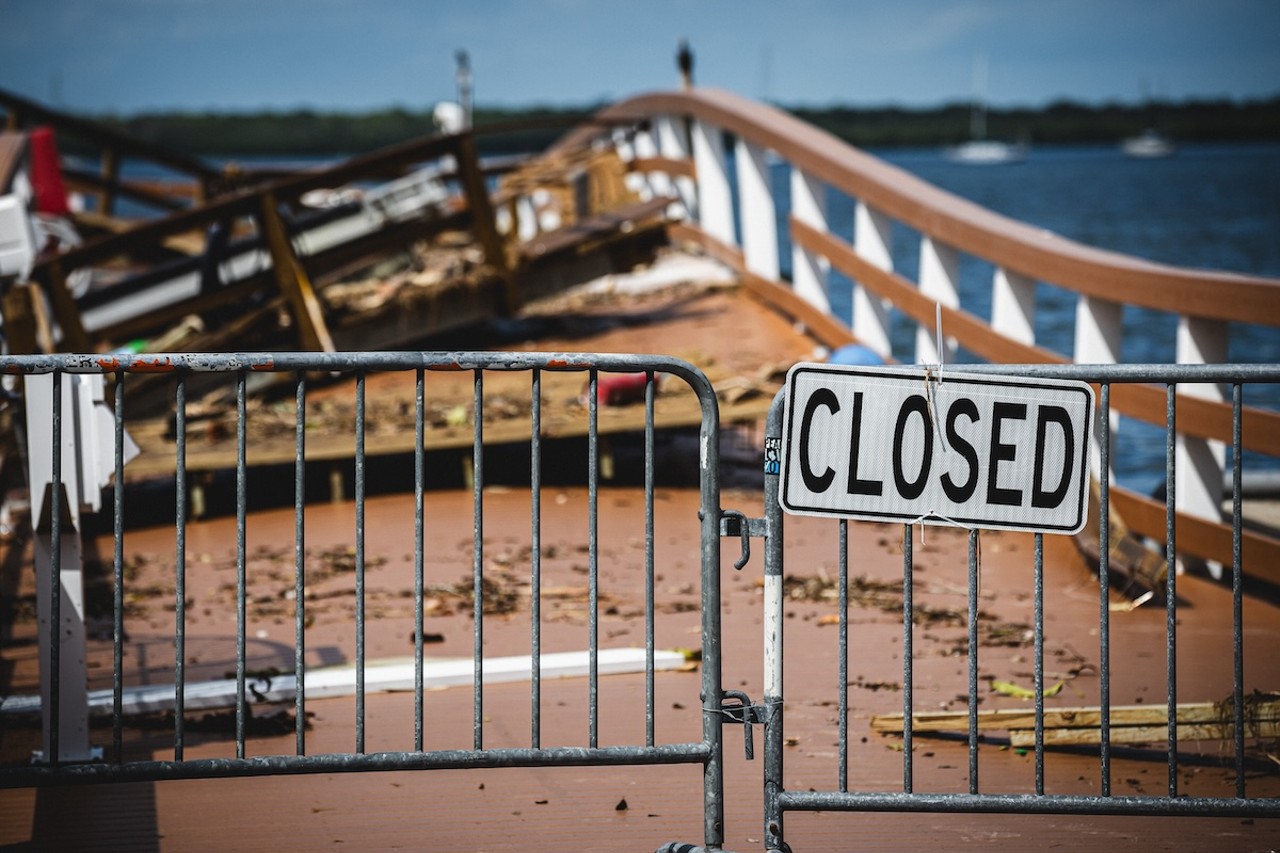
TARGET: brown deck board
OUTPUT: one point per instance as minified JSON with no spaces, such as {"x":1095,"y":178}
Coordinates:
{"x":739,"y":343}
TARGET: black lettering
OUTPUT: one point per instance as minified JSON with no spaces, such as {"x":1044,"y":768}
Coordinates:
{"x":858,"y":486}
{"x":1050,"y":499}
{"x":960,"y":494}
{"x":814,"y":482}
{"x":910,"y":490}
{"x":1001,"y":452}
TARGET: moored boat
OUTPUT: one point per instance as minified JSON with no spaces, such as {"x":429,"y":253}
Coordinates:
{"x":1150,"y":144}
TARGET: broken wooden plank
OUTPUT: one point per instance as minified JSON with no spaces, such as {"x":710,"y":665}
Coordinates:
{"x":1218,"y":730}
{"x":1129,"y":723}
{"x":293,"y":280}
{"x":1018,"y":718}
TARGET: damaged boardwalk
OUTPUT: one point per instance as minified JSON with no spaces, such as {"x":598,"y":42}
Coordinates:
{"x":531,"y":486}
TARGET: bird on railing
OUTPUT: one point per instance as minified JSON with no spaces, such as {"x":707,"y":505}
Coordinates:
{"x":684,"y":61}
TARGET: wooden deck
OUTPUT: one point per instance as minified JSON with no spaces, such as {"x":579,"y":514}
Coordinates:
{"x":742,"y":345}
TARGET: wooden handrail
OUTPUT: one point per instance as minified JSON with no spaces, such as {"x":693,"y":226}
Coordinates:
{"x":1198,"y":417}
{"x":1007,"y":243}
{"x":29,"y":112}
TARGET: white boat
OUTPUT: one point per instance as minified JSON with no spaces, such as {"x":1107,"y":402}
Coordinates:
{"x":987,"y":152}
{"x":979,"y":150}
{"x":1149,"y":144}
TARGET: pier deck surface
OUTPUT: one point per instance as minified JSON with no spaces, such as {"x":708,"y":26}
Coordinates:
{"x":571,"y":808}
{"x":631,"y":808}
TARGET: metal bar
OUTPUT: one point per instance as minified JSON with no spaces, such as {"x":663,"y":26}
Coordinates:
{"x":360,"y":567}
{"x":709,"y":512}
{"x":1237,"y":584}
{"x":1171,"y":590}
{"x":241,"y":581}
{"x":477,"y":557}
{"x":453,"y":360}
{"x":908,"y":662}
{"x":279,"y":765}
{"x":773,"y":633}
{"x":1104,"y":587}
{"x":54,"y":505}
{"x":649,"y":687}
{"x":469,"y":359}
{"x":1056,"y":804}
{"x":117,"y":604}
{"x":593,"y":556}
{"x":973,"y":661}
{"x":843,"y":663}
{"x":299,"y":564}
{"x":419,"y":559}
{"x":1038,"y":665}
{"x":535,"y":557}
{"x":180,"y":568}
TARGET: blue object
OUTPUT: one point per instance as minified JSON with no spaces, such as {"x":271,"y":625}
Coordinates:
{"x":855,"y":354}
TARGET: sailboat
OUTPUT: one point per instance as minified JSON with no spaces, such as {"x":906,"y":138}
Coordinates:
{"x":979,"y":150}
{"x":1150,"y":144}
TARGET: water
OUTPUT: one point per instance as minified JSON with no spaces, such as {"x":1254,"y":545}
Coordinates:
{"x":1209,"y":207}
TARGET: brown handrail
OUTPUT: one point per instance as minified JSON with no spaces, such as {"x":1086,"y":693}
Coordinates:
{"x":24,"y":112}
{"x":1007,"y":243}
{"x":1198,"y":417}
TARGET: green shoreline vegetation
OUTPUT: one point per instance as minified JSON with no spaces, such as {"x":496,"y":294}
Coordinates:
{"x":315,"y":133}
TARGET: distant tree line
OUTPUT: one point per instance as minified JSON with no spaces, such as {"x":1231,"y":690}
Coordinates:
{"x":1062,"y":122}
{"x":309,"y":133}
{"x":313,"y":133}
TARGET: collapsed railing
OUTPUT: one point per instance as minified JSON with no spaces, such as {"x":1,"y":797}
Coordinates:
{"x":247,"y":235}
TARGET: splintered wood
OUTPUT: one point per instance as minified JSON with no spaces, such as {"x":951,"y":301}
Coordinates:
{"x":1083,"y":726}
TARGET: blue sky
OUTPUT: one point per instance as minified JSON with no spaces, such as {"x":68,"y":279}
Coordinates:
{"x":129,"y":56}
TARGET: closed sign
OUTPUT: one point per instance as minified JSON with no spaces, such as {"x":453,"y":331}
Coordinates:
{"x":895,"y":444}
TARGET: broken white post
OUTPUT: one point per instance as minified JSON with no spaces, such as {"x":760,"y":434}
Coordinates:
{"x":84,"y":430}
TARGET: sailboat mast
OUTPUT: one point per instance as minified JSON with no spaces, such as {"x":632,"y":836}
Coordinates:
{"x":978,"y":115}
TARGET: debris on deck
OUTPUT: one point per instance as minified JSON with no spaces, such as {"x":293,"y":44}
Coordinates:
{"x":1128,"y":724}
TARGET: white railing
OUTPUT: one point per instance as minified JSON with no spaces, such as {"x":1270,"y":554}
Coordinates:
{"x":674,"y":138}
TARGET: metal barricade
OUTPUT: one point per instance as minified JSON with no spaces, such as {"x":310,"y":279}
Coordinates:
{"x":1103,"y":794}
{"x":58,"y":521}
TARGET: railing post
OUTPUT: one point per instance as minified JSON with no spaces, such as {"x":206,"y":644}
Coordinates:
{"x":673,"y":143}
{"x":1099,"y":335}
{"x":111,"y":178}
{"x":873,"y":241}
{"x":1201,"y":461}
{"x":644,"y":184}
{"x":715,"y":201}
{"x":940,"y":281}
{"x":810,"y":272}
{"x":526,"y":218}
{"x":757,"y":211}
{"x":774,"y":753}
{"x":65,"y":310}
{"x":1013,"y":305}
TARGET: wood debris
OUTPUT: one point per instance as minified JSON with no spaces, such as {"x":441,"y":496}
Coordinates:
{"x":1129,"y":724}
{"x":1135,"y":570}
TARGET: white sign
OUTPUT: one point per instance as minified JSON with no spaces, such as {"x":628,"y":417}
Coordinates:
{"x":897,"y":444}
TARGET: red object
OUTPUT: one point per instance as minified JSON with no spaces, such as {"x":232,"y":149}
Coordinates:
{"x":46,"y":173}
{"x":616,"y":389}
